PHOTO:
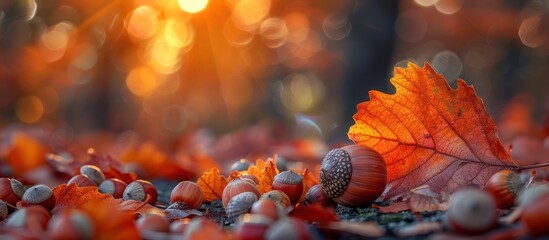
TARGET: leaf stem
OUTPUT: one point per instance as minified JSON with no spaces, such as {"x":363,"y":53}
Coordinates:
{"x":533,"y":166}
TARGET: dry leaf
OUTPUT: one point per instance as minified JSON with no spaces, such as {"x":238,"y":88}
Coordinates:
{"x":264,"y":171}
{"x":423,"y":198}
{"x":110,"y":223}
{"x":429,"y":133}
{"x":24,"y":154}
{"x":212,"y":184}
{"x":72,"y":196}
{"x":137,"y":207}
{"x":155,"y":164}
{"x":314,"y":213}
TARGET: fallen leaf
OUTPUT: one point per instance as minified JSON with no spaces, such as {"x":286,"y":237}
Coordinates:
{"x":155,"y":164}
{"x":423,"y":198}
{"x":212,"y":184}
{"x":24,"y":153}
{"x":429,"y":133}
{"x":364,"y":229}
{"x":264,"y":171}
{"x":314,"y":213}
{"x":72,"y":196}
{"x":110,"y":223}
{"x":137,"y":207}
{"x":174,"y":214}
{"x":393,"y":207}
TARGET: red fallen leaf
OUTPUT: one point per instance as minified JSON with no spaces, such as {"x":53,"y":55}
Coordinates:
{"x":136,"y":207}
{"x":314,"y":213}
{"x":392,"y":207}
{"x":423,"y":199}
{"x":429,"y":133}
{"x":110,"y":166}
{"x":24,"y":153}
{"x":174,"y":214}
{"x":155,"y":164}
{"x":364,"y":229}
{"x":72,"y":196}
{"x":110,"y":223}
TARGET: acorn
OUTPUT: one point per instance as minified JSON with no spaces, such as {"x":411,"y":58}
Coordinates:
{"x":34,"y":218}
{"x":249,"y":177}
{"x":290,"y":183}
{"x":353,"y":175}
{"x":11,"y":190}
{"x":39,"y":195}
{"x":317,"y":195}
{"x":267,"y":208}
{"x":471,"y":211}
{"x":154,"y":223}
{"x":277,"y":197}
{"x":3,"y":210}
{"x":235,"y":187}
{"x":187,"y":193}
{"x":71,"y":224}
{"x":531,"y":194}
{"x":202,"y":225}
{"x":240,"y":204}
{"x":288,"y":228}
{"x":113,"y":186}
{"x":536,"y":215}
{"x":241,"y":165}
{"x":179,"y":226}
{"x":252,"y":227}
{"x":141,"y":190}
{"x":505,"y":186}
{"x":81,"y":180}
{"x":94,"y":173}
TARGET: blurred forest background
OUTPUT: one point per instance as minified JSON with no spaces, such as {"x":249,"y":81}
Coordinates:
{"x":160,"y":70}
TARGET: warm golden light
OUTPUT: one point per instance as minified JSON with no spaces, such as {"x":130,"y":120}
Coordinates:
{"x":143,"y":22}
{"x":192,"y":6}
{"x":141,"y":81}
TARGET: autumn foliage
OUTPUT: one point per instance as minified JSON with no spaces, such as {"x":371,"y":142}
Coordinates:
{"x":429,"y":133}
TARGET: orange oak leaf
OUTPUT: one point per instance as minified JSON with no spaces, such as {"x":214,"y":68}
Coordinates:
{"x":264,"y":171}
{"x":72,"y":196}
{"x":24,"y":153}
{"x":429,"y":133}
{"x":212,"y":184}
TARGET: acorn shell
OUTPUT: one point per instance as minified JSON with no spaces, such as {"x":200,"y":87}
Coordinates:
{"x":3,"y":210}
{"x":278,"y":197}
{"x":81,"y":180}
{"x":153,"y":222}
{"x":290,"y":183}
{"x":139,"y":189}
{"x":252,"y":227}
{"x":353,"y":175}
{"x":240,"y":204}
{"x":317,"y":195}
{"x":471,"y":211}
{"x":39,"y":195}
{"x":288,"y":228}
{"x":34,"y":218}
{"x":11,"y":190}
{"x":113,"y":186}
{"x":535,"y":216}
{"x":267,"y":208}
{"x":70,"y":224}
{"x":189,"y":193}
{"x":505,"y":186}
{"x":94,"y":173}
{"x":241,"y":165}
{"x":235,"y":187}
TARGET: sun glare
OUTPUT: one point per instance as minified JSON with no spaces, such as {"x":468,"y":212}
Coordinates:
{"x":192,"y":6}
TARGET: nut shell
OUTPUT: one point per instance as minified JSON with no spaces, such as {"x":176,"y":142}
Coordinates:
{"x":154,"y":223}
{"x":267,"y":208}
{"x":11,"y":190}
{"x":3,"y":210}
{"x":353,"y":175}
{"x":505,"y":186}
{"x":241,"y":165}
{"x":317,"y":195}
{"x":94,"y":173}
{"x":252,"y":227}
{"x":34,"y":218}
{"x":82,"y":180}
{"x":139,"y":189}
{"x":39,"y":195}
{"x":536,"y":215}
{"x":288,"y":228}
{"x":236,"y":187}
{"x":188,"y":193}
{"x":290,"y":183}
{"x":113,"y":186}
{"x":70,"y":224}
{"x":240,"y":204}
{"x":278,"y":197}
{"x":471,"y":211}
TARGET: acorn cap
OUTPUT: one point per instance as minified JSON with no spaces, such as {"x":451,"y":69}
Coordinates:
{"x":288,"y":177}
{"x":37,"y":194}
{"x":335,"y":172}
